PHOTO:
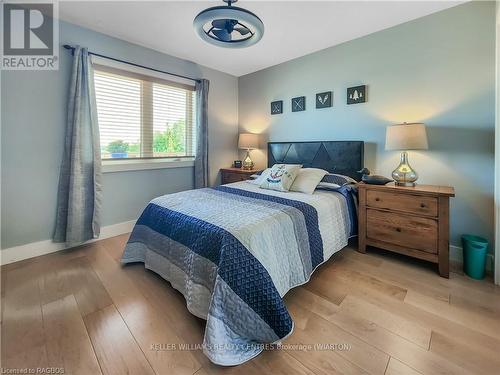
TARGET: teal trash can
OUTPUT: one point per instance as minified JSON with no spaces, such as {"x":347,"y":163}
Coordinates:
{"x":474,"y":251}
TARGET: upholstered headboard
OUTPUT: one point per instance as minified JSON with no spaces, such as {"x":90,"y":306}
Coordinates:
{"x":342,"y":157}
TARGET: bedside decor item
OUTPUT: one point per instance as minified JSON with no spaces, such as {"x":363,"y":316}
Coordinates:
{"x":405,"y":137}
{"x":277,"y":107}
{"x":237,"y":164}
{"x":281,"y":177}
{"x":413,"y":221}
{"x":324,"y":99}
{"x":299,"y":104}
{"x":356,"y":94}
{"x":248,"y":141}
{"x":229,"y":26}
{"x":373,"y":179}
{"x":229,"y":175}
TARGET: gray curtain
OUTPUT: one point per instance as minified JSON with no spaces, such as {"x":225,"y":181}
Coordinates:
{"x":201,"y":161}
{"x":79,"y":196}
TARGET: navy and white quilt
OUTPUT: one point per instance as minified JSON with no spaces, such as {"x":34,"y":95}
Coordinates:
{"x":235,"y":250}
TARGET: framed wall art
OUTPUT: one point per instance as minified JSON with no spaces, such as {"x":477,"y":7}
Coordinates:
{"x":356,"y":94}
{"x":299,"y":104}
{"x":277,"y":107}
{"x":324,"y":99}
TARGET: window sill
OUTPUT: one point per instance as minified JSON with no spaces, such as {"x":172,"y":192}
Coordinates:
{"x":111,"y":166}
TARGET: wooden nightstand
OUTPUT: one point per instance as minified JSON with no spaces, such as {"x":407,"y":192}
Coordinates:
{"x":229,"y":175}
{"x":408,"y":220}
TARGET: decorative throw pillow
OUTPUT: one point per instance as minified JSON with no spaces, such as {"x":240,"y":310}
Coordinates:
{"x":307,"y":180}
{"x":281,"y":177}
{"x":335,"y":180}
{"x":259,"y":177}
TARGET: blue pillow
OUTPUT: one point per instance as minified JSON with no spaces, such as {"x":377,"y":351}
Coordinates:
{"x":337,"y":179}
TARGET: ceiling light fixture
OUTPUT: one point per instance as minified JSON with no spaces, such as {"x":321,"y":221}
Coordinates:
{"x":229,"y":26}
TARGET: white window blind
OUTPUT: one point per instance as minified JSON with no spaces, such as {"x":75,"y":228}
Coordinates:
{"x":143,"y":117}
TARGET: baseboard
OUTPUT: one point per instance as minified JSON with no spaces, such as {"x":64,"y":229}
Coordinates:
{"x":456,"y":258}
{"x":456,"y":253}
{"x":34,"y":249}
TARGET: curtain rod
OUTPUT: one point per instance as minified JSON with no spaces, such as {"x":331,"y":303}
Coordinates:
{"x":68,"y":47}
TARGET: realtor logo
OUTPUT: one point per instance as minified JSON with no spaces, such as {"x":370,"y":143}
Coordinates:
{"x":30,"y":35}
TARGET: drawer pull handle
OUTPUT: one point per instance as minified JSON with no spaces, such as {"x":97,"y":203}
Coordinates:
{"x":422,"y":205}
{"x":398,"y":230}
{"x":377,"y":199}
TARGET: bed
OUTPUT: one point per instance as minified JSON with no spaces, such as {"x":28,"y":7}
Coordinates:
{"x":235,"y":250}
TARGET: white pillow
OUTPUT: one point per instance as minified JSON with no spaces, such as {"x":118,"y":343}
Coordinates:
{"x":259,"y":179}
{"x":281,"y":177}
{"x":307,"y":180}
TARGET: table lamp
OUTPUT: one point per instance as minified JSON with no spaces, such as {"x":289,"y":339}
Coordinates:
{"x":248,"y":141}
{"x":405,"y":137}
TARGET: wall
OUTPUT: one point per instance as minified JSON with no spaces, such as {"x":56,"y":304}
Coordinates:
{"x":439,"y":70}
{"x":33,"y":124}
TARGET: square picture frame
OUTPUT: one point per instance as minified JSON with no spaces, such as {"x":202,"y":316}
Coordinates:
{"x":356,"y":94}
{"x":299,"y":104}
{"x":324,"y":99}
{"x":277,"y":107}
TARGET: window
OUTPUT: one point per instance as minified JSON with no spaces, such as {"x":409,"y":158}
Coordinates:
{"x":143,"y":117}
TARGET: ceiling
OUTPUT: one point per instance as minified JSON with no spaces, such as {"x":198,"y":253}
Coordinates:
{"x":292,"y":28}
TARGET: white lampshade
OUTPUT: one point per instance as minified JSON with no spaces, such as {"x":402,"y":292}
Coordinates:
{"x":406,"y":137}
{"x":248,"y":141}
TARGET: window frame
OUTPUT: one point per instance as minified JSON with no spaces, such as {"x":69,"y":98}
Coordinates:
{"x":145,"y":163}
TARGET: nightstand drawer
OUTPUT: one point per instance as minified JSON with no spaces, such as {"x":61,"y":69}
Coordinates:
{"x":229,"y":175}
{"x":417,"y":204}
{"x":414,"y":232}
{"x":234,"y":177}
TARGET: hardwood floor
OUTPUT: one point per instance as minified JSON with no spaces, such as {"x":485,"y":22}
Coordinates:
{"x":82,"y":311}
